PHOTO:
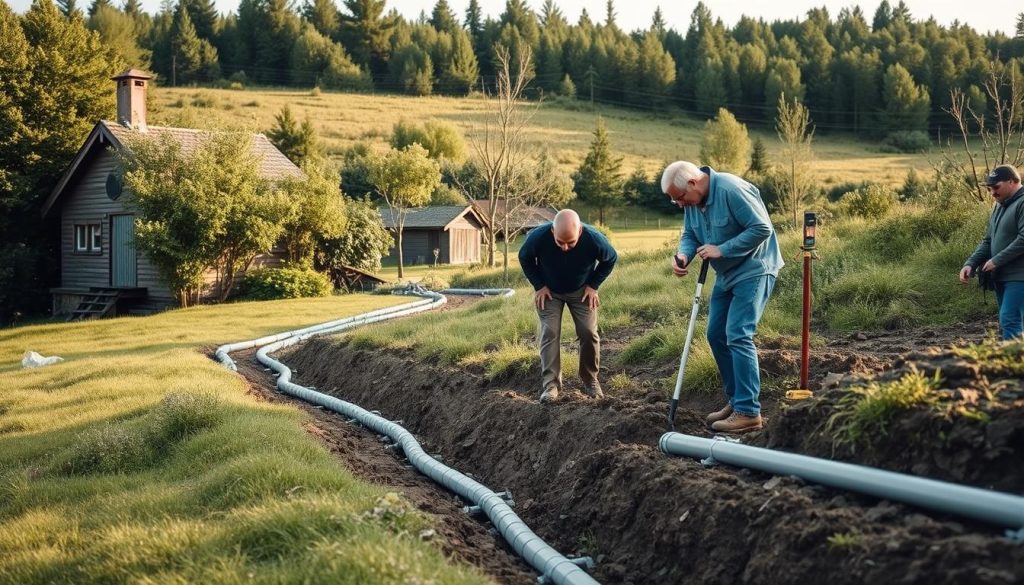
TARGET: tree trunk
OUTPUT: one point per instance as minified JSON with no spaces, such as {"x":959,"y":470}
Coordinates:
{"x":401,"y":270}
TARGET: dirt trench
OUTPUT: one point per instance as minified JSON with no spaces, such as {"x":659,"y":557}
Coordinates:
{"x":589,"y":479}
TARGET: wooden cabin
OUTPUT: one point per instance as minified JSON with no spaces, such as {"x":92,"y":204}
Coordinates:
{"x":101,"y":271}
{"x":455,"y":231}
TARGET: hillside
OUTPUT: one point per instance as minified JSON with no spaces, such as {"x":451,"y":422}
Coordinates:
{"x":643,"y":138}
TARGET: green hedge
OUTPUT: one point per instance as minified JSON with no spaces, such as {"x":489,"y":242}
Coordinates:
{"x":266,"y":284}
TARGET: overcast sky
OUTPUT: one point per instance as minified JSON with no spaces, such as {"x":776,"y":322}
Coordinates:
{"x":985,"y":15}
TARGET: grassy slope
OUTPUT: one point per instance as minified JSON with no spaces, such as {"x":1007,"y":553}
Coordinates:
{"x":140,"y":459}
{"x":644,"y":139}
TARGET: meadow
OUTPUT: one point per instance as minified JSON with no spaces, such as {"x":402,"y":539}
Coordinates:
{"x":140,"y":459}
{"x":644,"y":139}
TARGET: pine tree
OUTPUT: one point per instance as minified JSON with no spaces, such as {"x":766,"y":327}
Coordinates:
{"x":97,"y":4}
{"x":656,"y":71}
{"x":323,"y":15}
{"x":69,"y":7}
{"x":759,"y":157}
{"x":474,"y":19}
{"x":443,"y":19}
{"x":120,"y":32}
{"x":1020,"y":26}
{"x":599,"y":179}
{"x":567,"y":88}
{"x":296,"y":141}
{"x":883,"y":16}
{"x":658,"y":26}
{"x":366,"y":32}
{"x":609,"y":15}
{"x":203,"y":14}
{"x":906,"y":103}
{"x":783,"y":78}
{"x":133,"y":8}
{"x":195,"y":59}
{"x":460,"y":72}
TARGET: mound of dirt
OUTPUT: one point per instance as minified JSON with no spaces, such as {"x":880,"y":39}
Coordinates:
{"x":974,"y":434}
{"x":590,"y":480}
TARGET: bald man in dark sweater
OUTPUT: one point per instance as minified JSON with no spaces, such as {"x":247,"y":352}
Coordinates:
{"x":566,"y":261}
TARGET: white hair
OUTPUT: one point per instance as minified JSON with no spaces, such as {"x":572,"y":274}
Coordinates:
{"x":678,"y":174}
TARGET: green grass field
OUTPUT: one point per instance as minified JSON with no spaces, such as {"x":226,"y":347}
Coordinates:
{"x":139,"y":459}
{"x":644,"y":139}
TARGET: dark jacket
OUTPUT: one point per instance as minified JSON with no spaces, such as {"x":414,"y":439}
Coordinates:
{"x":545,"y":264}
{"x":1004,"y":240}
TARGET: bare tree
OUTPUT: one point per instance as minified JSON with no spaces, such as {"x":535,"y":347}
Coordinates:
{"x":500,"y":149}
{"x":793,"y":125}
{"x":1001,"y":136}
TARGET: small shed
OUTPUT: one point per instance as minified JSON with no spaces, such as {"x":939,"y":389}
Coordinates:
{"x":101,"y":270}
{"x":455,"y":231}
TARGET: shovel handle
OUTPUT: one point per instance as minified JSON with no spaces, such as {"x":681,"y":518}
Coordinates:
{"x":703,"y":268}
{"x":703,"y":271}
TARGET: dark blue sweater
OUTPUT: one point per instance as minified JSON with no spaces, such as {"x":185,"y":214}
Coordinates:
{"x":545,"y":264}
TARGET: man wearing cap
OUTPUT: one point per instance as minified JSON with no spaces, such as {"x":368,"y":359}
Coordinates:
{"x":725,"y":222}
{"x":1001,"y":251}
{"x":566,"y":261}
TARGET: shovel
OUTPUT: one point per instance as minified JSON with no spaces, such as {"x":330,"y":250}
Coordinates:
{"x":689,"y":338}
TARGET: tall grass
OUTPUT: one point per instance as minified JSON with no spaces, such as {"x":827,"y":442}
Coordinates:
{"x":138,"y":459}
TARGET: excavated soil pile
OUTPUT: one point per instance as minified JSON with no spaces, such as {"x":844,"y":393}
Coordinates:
{"x":972,"y":433}
{"x":589,"y":479}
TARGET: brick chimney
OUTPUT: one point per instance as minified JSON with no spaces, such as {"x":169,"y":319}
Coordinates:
{"x":131,"y":98}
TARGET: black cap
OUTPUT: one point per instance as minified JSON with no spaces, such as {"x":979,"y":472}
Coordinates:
{"x":1002,"y":173}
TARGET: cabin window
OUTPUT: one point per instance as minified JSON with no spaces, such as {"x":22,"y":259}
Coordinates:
{"x":88,"y":238}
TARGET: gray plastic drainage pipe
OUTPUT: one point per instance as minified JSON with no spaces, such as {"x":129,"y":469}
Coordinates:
{"x":549,"y":562}
{"x":432,"y":300}
{"x":988,"y":506}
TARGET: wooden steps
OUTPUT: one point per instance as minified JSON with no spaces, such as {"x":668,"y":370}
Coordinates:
{"x":95,"y":304}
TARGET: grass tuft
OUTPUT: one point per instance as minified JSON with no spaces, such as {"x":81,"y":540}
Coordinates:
{"x":866,"y":413}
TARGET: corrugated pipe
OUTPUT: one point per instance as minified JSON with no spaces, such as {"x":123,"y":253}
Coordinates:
{"x":484,"y":292}
{"x":988,"y":506}
{"x":432,"y":300}
{"x":552,"y":565}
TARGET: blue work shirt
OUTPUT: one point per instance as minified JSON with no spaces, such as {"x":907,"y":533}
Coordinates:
{"x":545,"y":264}
{"x":733,"y":218}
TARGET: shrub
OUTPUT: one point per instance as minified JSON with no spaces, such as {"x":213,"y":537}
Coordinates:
{"x":871,"y":202}
{"x":113,"y":448}
{"x":205,"y":100}
{"x":836,"y":192}
{"x":284,"y":283}
{"x":440,"y":139}
{"x":182,"y":414}
{"x":724,"y":144}
{"x":906,"y":141}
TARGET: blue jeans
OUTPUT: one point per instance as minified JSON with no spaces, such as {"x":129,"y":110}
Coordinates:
{"x":1010,"y":297}
{"x":732,"y":321}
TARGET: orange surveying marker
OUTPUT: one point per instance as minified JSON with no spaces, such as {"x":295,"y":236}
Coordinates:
{"x":810,"y":226}
{"x":689,"y":338}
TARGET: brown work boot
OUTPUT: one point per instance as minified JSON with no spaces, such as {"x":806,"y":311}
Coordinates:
{"x":549,"y":394}
{"x":593,"y":390}
{"x":720,"y":414}
{"x":738,"y":423}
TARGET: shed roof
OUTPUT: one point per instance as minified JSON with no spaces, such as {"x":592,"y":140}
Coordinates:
{"x":434,"y":216}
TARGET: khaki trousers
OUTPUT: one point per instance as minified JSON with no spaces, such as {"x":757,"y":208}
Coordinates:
{"x":550,"y":333}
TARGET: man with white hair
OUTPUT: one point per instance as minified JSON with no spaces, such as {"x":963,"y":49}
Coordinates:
{"x":566,"y":261}
{"x":725,"y":222}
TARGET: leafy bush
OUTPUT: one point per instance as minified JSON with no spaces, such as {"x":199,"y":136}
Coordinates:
{"x":871,"y":202}
{"x":724,"y":144}
{"x":901,"y":234}
{"x":836,"y":192}
{"x":440,"y":139}
{"x":906,"y":141}
{"x":267,"y":284}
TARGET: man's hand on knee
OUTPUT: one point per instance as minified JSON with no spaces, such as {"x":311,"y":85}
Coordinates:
{"x":540,"y":296}
{"x":591,"y":298}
